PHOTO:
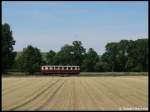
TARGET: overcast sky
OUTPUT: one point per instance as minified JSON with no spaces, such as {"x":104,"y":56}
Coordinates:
{"x":50,"y":25}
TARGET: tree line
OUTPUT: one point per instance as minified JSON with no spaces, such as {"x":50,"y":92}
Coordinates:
{"x":123,"y":56}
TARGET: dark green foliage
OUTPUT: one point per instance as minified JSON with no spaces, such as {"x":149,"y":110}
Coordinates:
{"x":30,"y":60}
{"x":102,"y":66}
{"x":125,"y":56}
{"x":50,"y":57}
{"x":138,"y":55}
{"x":8,"y":55}
{"x":78,"y":52}
{"x":68,"y":55}
{"x":65,"y":56}
{"x":90,"y":60}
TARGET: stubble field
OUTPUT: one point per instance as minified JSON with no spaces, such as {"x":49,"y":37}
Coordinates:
{"x":74,"y":93}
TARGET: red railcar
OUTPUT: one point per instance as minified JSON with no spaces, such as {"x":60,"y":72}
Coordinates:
{"x":52,"y":69}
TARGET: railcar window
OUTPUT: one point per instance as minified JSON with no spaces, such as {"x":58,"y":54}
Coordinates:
{"x":48,"y":68}
{"x":69,"y":68}
{"x":43,"y":68}
{"x":73,"y":68}
{"x":60,"y":68}
{"x":65,"y":68}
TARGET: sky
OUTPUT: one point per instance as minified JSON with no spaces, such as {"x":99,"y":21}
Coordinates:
{"x":50,"y":25}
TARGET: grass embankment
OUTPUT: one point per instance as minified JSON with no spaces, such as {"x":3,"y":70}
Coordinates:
{"x":90,"y":74}
{"x":114,"y":74}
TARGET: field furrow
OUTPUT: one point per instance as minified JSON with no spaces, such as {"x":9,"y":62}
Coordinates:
{"x":74,"y":93}
{"x":19,"y":86}
{"x":36,"y":94}
{"x":12,"y":83}
{"x":123,"y":91}
{"x":18,"y":98}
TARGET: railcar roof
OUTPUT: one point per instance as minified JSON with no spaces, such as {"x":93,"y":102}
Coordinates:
{"x":61,"y":65}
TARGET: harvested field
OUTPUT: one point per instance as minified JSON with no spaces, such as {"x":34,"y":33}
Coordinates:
{"x":75,"y":93}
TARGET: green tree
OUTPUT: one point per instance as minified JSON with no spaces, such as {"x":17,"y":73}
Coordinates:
{"x":138,"y":55}
{"x":122,"y":55}
{"x":64,"y":56}
{"x":8,"y":55}
{"x":105,"y":62}
{"x":90,"y":61}
{"x":102,"y":65}
{"x":142,"y":52}
{"x":126,"y":56}
{"x":30,"y":60}
{"x":78,"y":52}
{"x":50,"y":57}
{"x":70,"y":54}
{"x":112,"y":51}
